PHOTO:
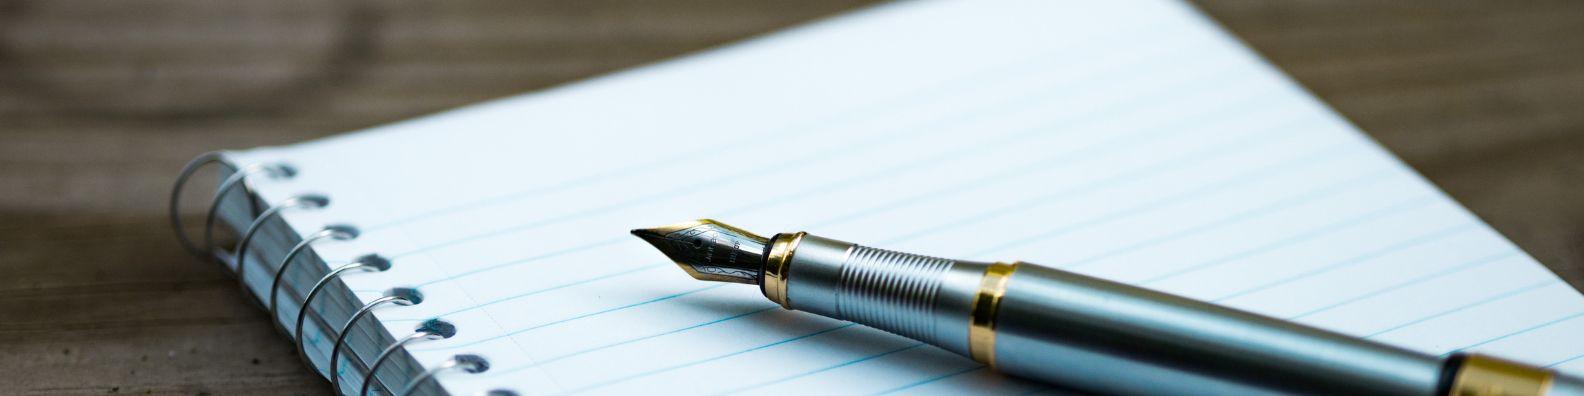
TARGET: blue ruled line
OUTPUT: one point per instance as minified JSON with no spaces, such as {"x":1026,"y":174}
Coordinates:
{"x":1065,"y":126}
{"x":1312,"y":233}
{"x":524,"y":260}
{"x":564,"y":320}
{"x":702,"y":361}
{"x":1138,"y":174}
{"x":1123,"y":142}
{"x":542,"y":362}
{"x":969,"y":80}
{"x":1436,"y":275}
{"x":625,"y":342}
{"x":828,"y":368}
{"x":1090,"y":152}
{"x":556,"y":253}
{"x":1433,"y":236}
{"x":892,"y":136}
{"x":930,"y":380}
{"x":1565,"y":361}
{"x":610,"y":275}
{"x":1460,"y":308}
{"x":1515,"y":333}
{"x":1258,"y":175}
{"x":1255,"y":213}
{"x":894,"y":170}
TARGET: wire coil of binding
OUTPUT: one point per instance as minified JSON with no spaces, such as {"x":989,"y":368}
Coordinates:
{"x":212,"y":157}
{"x":238,"y":178}
{"x":365,"y":263}
{"x":400,"y":296}
{"x":304,"y":201}
{"x":432,"y":329}
{"x":468,"y":363}
{"x":335,"y":232}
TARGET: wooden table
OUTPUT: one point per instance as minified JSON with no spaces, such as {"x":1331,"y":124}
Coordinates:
{"x":101,"y":102}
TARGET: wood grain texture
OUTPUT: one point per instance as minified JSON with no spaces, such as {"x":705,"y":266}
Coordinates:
{"x":101,"y":102}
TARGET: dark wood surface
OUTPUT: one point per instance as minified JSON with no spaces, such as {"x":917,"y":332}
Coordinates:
{"x":101,"y":102}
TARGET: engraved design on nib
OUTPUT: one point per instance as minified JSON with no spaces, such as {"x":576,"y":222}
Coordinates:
{"x":709,"y":250}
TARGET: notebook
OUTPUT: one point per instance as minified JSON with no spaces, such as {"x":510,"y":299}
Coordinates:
{"x":1135,"y":141}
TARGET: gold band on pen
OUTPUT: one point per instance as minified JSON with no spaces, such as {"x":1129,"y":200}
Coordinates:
{"x":776,"y":265}
{"x":981,"y":321}
{"x":1486,"y":376}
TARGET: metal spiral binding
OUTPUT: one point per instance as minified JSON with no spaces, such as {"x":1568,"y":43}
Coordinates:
{"x":432,"y":329}
{"x":400,"y":296}
{"x":337,"y":232}
{"x":274,"y":171}
{"x":306,"y":201}
{"x":366,"y":263}
{"x":187,"y":171}
{"x":429,"y":330}
{"x":468,"y":363}
{"x":212,"y":157}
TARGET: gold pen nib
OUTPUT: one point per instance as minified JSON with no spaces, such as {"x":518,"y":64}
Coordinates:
{"x":709,"y":250}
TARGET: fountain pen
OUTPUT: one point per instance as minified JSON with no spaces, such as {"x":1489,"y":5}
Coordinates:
{"x":1075,"y":331}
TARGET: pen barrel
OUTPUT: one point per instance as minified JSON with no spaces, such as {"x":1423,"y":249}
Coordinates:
{"x":1102,"y":336}
{"x":1116,"y":338}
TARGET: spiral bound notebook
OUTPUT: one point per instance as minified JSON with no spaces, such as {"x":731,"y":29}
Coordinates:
{"x":1134,"y":141}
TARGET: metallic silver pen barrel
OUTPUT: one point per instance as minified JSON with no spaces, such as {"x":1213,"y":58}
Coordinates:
{"x":1102,"y":336}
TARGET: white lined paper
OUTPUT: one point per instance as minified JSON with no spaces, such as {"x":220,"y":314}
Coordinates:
{"x":1130,"y":141}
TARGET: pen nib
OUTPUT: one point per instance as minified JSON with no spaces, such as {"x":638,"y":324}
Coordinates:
{"x":709,"y":250}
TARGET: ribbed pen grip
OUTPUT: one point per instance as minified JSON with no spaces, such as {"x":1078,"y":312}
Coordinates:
{"x":892,"y":291}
